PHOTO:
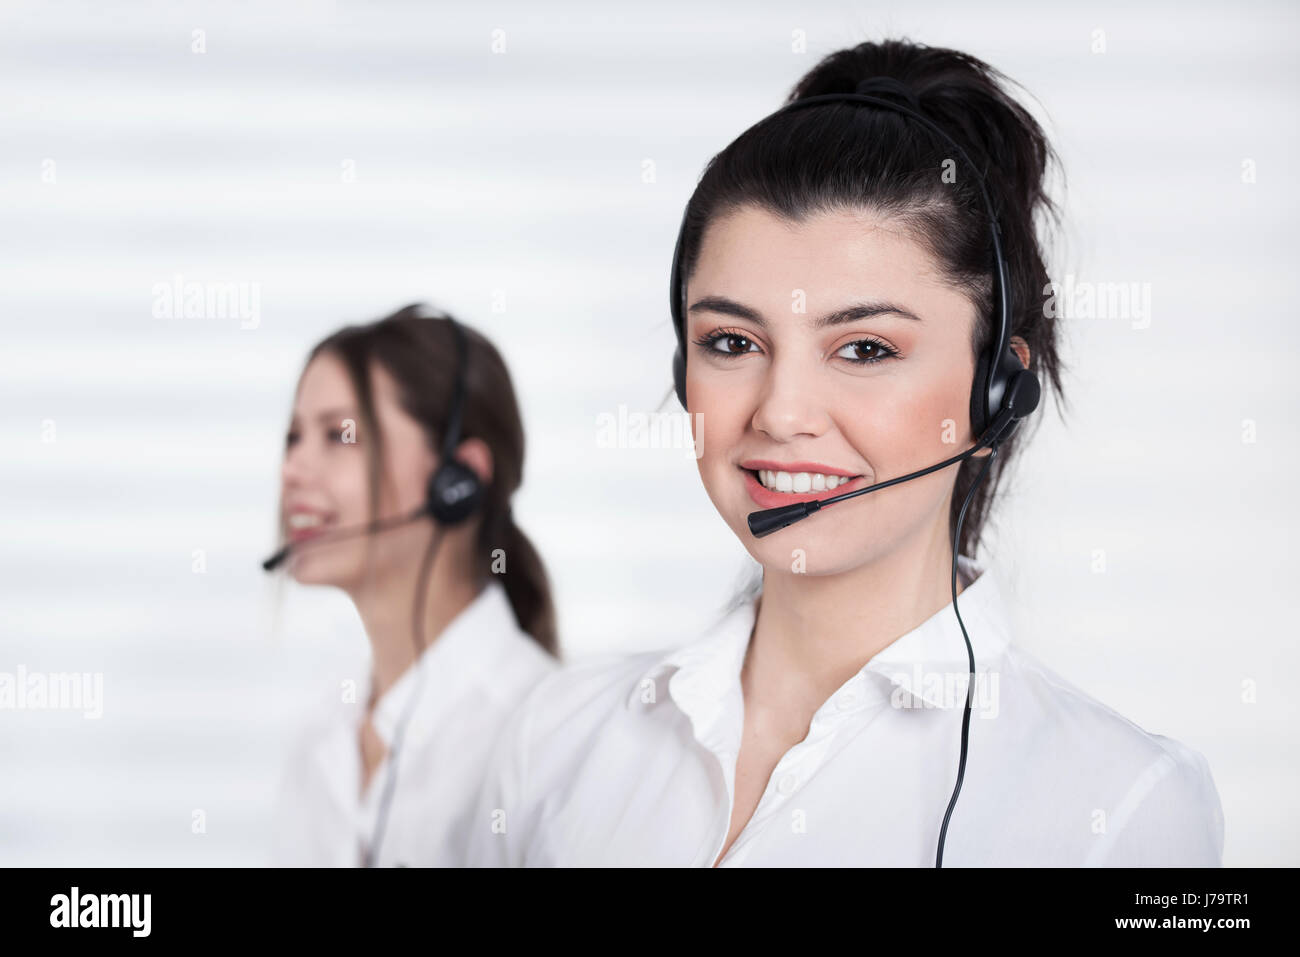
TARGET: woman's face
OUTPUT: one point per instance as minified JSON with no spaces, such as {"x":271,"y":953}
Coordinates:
{"x":325,"y":480}
{"x":774,"y":327}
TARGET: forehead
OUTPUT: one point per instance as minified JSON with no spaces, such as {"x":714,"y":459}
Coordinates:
{"x":326,"y":383}
{"x":755,"y":256}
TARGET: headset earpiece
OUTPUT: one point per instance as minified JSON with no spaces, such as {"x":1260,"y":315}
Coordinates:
{"x":455,"y":493}
{"x":1014,"y":389}
{"x":677,"y":307}
{"x":979,"y":416}
{"x":679,"y":375}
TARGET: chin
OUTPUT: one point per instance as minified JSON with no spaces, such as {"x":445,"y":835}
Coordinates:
{"x":312,"y":578}
{"x":778,"y":556}
{"x":319,"y":570}
{"x":825,"y":546}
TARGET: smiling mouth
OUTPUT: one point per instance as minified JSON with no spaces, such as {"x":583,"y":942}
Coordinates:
{"x":799,"y":483}
{"x":304,"y":525}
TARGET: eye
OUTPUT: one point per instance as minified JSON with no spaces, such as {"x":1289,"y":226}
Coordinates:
{"x":732,"y":339}
{"x":291,"y":440}
{"x":335,"y":435}
{"x":857,"y":352}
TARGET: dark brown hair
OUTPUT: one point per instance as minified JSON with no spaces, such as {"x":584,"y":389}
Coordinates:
{"x":847,"y":155}
{"x":416,"y":347}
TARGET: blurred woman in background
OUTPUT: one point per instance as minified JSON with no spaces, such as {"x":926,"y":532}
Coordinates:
{"x":404,"y":448}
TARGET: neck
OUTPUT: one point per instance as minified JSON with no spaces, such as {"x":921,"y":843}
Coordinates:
{"x":386,"y":606}
{"x":813,"y":633}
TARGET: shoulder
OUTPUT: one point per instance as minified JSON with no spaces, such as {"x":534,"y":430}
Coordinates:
{"x":1065,"y":713}
{"x":567,"y":711}
{"x":1154,"y":797}
{"x":516,"y":674}
{"x":590,"y":688}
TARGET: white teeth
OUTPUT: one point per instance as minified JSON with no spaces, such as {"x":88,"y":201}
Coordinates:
{"x":304,"y":520}
{"x":800,"y":481}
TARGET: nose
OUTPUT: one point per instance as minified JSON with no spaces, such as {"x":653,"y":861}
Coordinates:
{"x":299,"y":465}
{"x":792,"y":402}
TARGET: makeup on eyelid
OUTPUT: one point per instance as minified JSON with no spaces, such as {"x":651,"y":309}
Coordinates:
{"x":710,"y":340}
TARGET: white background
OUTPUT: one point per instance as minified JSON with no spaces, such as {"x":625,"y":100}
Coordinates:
{"x":520,"y":175}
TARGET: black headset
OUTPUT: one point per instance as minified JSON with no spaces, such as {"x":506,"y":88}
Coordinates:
{"x":455,"y":491}
{"x":1003,"y":391}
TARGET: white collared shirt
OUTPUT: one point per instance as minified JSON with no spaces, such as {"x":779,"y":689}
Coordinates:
{"x":631,"y":760}
{"x":473,"y":677}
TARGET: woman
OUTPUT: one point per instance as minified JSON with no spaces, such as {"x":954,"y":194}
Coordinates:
{"x":404,"y":449}
{"x":842,"y":317}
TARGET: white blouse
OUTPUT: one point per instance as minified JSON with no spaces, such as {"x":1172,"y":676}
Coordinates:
{"x":631,"y":760}
{"x":474,"y":675}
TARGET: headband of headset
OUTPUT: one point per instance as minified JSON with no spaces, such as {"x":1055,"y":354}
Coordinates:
{"x":998,"y":364}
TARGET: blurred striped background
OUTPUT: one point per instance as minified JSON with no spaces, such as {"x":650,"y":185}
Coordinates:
{"x":349,"y":158}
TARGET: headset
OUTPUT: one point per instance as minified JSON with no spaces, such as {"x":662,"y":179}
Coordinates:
{"x":454,"y":494}
{"x":1003,"y":391}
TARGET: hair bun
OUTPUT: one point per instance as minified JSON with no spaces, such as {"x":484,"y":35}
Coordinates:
{"x":888,"y":86}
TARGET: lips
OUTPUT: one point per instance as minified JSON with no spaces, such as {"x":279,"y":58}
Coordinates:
{"x":756,"y":464}
{"x":766,"y":498}
{"x":305,"y":523}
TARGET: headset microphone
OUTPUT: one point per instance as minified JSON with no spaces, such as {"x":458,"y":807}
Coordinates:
{"x":1021,"y":400}
{"x":333,"y":534}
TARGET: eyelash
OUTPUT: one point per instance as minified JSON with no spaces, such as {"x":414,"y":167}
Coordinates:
{"x":335,"y":435}
{"x":706,"y":342}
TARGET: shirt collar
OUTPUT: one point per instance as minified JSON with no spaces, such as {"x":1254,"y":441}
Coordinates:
{"x":467,"y":650}
{"x":927,"y":663}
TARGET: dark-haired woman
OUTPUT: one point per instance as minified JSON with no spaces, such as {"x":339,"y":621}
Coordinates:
{"x":838,"y":262}
{"x":458,"y":613}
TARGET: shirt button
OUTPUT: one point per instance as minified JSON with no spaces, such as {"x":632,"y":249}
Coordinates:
{"x":786,"y":784}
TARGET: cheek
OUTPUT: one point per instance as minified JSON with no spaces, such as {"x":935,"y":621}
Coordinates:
{"x":349,"y":486}
{"x":903,"y":437}
{"x":718,"y":420}
{"x":919,"y":426}
{"x":409,"y":469}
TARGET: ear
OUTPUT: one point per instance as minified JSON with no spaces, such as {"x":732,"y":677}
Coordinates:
{"x":478,"y":456}
{"x":1021,"y":349}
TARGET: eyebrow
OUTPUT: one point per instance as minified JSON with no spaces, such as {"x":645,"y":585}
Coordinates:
{"x":861,"y":310}
{"x":329,"y":415}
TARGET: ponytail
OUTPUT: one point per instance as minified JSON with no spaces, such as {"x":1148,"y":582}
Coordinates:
{"x":524,"y":577}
